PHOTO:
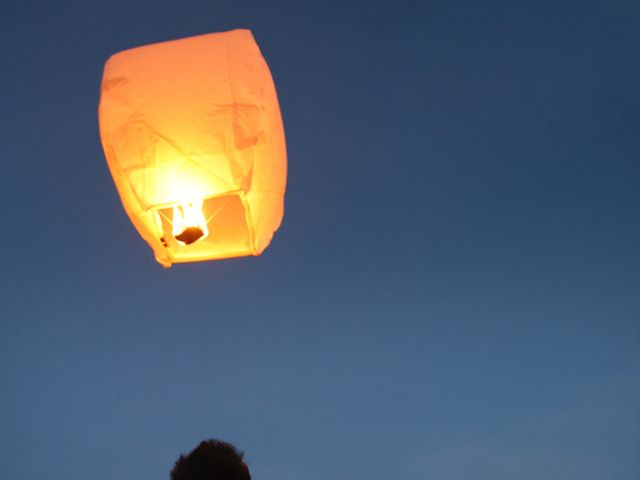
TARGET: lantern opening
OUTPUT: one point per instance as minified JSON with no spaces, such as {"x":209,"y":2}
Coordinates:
{"x":189,"y":224}
{"x":225,"y":218}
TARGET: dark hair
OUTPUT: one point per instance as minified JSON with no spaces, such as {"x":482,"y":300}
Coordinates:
{"x":211,"y":460}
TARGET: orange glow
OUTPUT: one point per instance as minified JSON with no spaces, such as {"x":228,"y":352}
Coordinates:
{"x":193,"y":137}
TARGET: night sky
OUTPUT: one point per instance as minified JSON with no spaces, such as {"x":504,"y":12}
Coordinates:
{"x":454,"y":292}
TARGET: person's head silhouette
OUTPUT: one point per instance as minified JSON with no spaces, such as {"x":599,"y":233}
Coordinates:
{"x":211,"y":460}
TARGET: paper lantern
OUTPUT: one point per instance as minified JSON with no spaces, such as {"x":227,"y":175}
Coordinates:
{"x":193,"y":137}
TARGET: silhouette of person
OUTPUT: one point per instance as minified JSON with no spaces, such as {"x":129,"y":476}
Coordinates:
{"x":211,"y":460}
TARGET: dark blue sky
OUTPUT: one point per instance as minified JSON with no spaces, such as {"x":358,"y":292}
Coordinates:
{"x":454,"y":292}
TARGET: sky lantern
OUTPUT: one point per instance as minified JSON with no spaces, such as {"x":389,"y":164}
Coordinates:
{"x":193,"y":137}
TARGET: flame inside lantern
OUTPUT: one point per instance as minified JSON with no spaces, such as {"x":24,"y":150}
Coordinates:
{"x":189,"y":224}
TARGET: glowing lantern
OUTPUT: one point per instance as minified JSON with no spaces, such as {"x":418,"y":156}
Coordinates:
{"x":193,"y":137}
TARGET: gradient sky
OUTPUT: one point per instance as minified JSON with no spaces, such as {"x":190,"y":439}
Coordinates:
{"x":454,"y":292}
